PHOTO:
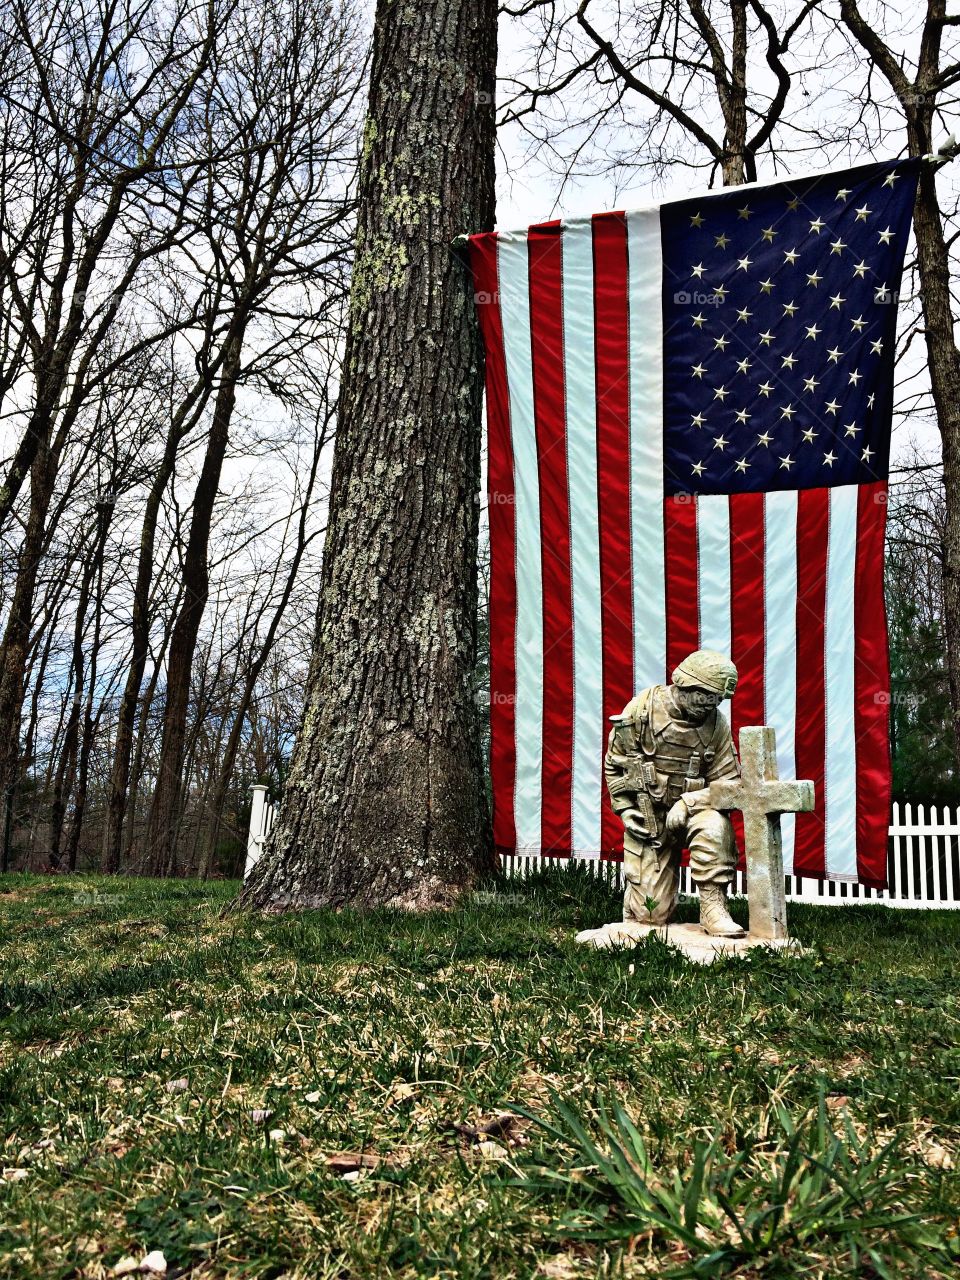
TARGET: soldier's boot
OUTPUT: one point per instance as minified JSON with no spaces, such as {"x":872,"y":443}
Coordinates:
{"x":714,"y":916}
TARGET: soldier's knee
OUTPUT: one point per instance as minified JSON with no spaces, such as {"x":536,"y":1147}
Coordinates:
{"x":712,"y":825}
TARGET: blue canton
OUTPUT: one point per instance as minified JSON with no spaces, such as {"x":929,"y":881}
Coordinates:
{"x":780,"y":320}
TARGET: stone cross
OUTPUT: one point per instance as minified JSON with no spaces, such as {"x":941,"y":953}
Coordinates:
{"x":761,"y":797}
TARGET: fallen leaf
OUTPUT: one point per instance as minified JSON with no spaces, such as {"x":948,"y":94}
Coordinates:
{"x":177,"y":1086}
{"x":493,"y":1151}
{"x":154,"y":1263}
{"x":350,"y":1161}
{"x":259,"y":1115}
{"x":15,"y":1175}
{"x":499,"y":1126}
{"x":126,"y":1266}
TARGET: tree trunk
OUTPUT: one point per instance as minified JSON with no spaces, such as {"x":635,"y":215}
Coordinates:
{"x":385,"y":802}
{"x":183,"y":641}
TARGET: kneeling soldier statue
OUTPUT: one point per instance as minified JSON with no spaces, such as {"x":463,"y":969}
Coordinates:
{"x":665,"y":749}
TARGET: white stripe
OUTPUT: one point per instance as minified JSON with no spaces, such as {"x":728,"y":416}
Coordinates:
{"x":713,"y":546}
{"x":646,"y":447}
{"x":780,"y":647}
{"x":841,"y":774}
{"x":513,"y":277}
{"x":581,"y":434}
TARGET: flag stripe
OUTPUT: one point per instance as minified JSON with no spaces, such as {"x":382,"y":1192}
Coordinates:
{"x":713,"y":537}
{"x":527,"y":706}
{"x":840,"y":779}
{"x":872,"y":681}
{"x":612,"y":343}
{"x":683,"y":613}
{"x":546,"y":327}
{"x":581,"y":434}
{"x":748,"y":609}
{"x":503,"y":578}
{"x":813,"y":508}
{"x":647,"y":512}
{"x":780,"y":640}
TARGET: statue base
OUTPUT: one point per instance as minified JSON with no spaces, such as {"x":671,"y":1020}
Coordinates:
{"x":690,"y":940}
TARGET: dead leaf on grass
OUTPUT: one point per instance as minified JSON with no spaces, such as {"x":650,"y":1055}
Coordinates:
{"x":503,"y":1125}
{"x":344,"y":1162}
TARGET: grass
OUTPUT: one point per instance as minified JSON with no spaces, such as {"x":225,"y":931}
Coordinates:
{"x":174,"y":1078}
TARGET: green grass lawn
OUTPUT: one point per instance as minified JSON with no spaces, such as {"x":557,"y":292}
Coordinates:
{"x":724,"y":1121}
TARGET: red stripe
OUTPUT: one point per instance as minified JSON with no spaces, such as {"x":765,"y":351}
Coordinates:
{"x":872,"y":689}
{"x":546,"y":327}
{"x":747,"y":617}
{"x":681,"y":577}
{"x":813,"y":528}
{"x":501,"y":508}
{"x":612,"y":339}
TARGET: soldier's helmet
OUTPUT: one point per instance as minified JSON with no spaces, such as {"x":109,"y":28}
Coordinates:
{"x":707,"y":669}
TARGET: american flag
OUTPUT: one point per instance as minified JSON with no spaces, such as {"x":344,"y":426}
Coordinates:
{"x":689,"y":413}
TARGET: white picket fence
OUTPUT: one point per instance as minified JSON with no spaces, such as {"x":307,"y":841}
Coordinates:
{"x":923,"y":862}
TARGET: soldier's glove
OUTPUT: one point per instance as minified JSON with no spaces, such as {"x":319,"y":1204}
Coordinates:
{"x":677,"y":819}
{"x":633,"y":822}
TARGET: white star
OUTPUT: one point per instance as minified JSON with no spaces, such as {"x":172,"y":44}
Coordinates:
{"x":834,"y":354}
{"x":766,"y":286}
{"x":882,"y":294}
{"x":764,"y":439}
{"x":791,"y":255}
{"x":790,"y":308}
{"x":794,"y":203}
{"x":698,"y":469}
{"x":769,"y":233}
{"x":816,"y":224}
{"x":863,"y":213}
{"x":786,"y":463}
{"x":741,"y":415}
{"x":885,"y":236}
{"x":843,"y":193}
{"x":787,"y":411}
{"x":867,"y":454}
{"x":836,"y":301}
{"x":743,"y":365}
{"x":720,"y":393}
{"x":721,"y":343}
{"x":858,"y":324}
{"x":722,"y":241}
{"x":809,"y":436}
{"x":814,"y":278}
{"x":870,"y":399}
{"x":698,"y":419}
{"x":742,"y":464}
{"x":698,"y":270}
{"x":851,"y":429}
{"x":744,"y":314}
{"x":810,"y":384}
{"x":855,"y":377}
{"x":745,"y":213}
{"x":720,"y":442}
{"x":860,"y":270}
{"x":813,"y":330}
{"x":829,"y":458}
{"x":876,"y":347}
{"x":787,"y":362}
{"x":743,"y":264}
{"x":765,"y":388}
{"x":697,"y":220}
{"x":698,"y":370}
{"x":721,"y":291}
{"x":837,"y":246}
{"x":766,"y":338}
{"x":891,"y":178}
{"x":699,"y":320}
{"x":832,"y":406}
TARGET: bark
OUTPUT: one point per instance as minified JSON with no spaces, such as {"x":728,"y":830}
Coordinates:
{"x":385,"y":801}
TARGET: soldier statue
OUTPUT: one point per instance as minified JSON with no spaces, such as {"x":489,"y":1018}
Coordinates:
{"x":665,"y":749}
